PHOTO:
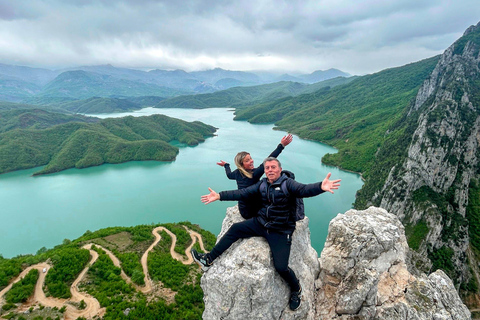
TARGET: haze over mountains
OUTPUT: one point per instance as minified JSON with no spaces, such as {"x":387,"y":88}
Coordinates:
{"x":19,"y":83}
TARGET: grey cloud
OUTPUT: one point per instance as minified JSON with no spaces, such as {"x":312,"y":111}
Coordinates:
{"x":194,"y":34}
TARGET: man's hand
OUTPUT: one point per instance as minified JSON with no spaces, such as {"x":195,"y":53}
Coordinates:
{"x":286,"y":140}
{"x":211,"y":197}
{"x":330,"y":185}
{"x":221,"y":163}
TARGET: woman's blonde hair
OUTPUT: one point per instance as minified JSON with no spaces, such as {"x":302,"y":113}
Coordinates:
{"x":239,"y":163}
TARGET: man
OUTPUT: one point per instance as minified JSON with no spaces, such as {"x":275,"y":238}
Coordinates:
{"x":275,"y":221}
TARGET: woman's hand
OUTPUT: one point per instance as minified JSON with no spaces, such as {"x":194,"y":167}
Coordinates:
{"x":221,"y":163}
{"x":211,"y":197}
{"x":286,"y":140}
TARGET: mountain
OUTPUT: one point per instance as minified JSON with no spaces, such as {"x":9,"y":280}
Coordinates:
{"x":217,"y":74}
{"x":100,"y":105}
{"x":37,"y":76}
{"x":24,"y":84}
{"x":352,"y":117}
{"x":32,"y":138}
{"x":240,"y":97}
{"x":37,"y":119}
{"x":320,"y":75}
{"x":428,"y":170}
{"x":83,"y":85}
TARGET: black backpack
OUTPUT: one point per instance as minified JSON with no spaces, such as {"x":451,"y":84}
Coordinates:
{"x":299,"y":206}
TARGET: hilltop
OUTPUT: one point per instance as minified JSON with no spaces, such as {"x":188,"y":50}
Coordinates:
{"x":32,"y":138}
{"x":144,"y":271}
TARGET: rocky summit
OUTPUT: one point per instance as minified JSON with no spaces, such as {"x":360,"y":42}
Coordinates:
{"x":363,"y":273}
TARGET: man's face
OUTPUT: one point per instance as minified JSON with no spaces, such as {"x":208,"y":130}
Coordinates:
{"x":272,"y":170}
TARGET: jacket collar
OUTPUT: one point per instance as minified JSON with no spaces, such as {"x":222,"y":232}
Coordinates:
{"x":283,"y":176}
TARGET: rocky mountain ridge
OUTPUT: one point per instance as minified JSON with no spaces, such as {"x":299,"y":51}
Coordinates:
{"x":363,"y":273}
{"x":21,"y":84}
{"x":431,"y":187}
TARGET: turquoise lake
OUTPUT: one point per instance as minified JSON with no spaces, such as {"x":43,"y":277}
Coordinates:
{"x":44,"y":210}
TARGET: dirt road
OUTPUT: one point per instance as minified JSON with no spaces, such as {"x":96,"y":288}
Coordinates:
{"x":93,"y":307}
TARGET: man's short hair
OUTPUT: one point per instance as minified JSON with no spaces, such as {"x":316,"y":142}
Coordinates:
{"x":272,"y":159}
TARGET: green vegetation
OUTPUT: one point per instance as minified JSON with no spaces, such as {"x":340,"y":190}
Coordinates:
{"x":353,"y":117}
{"x":35,"y":138}
{"x":183,"y":237}
{"x":162,"y":267}
{"x":67,"y":264}
{"x":183,"y":298}
{"x":209,"y":239}
{"x":105,"y":282}
{"x":416,"y":233}
{"x":99,"y":105}
{"x":442,"y":259}
{"x":473,"y":215}
{"x":83,"y":85}
{"x":240,"y":97}
{"x":131,"y":266}
{"x":23,"y":289}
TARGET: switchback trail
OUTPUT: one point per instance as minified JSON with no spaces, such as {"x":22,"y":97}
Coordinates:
{"x":93,"y":308}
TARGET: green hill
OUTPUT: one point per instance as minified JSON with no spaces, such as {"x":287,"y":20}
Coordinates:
{"x":240,"y":97}
{"x":100,"y":105}
{"x":180,"y":296}
{"x":35,"y":138}
{"x":353,"y":117}
{"x":84,"y":85}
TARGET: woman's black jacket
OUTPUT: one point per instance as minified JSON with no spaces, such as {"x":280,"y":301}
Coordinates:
{"x":243,"y":181}
{"x":277,"y":210}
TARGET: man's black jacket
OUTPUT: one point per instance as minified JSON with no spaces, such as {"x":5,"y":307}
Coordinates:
{"x":277,"y":211}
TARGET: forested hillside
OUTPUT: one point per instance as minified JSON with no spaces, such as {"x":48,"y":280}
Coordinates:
{"x":353,"y":117}
{"x":31,"y":138}
{"x":240,"y":97}
{"x":115,"y":278}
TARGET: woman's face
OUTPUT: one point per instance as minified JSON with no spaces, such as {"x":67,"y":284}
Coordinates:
{"x":248,"y":162}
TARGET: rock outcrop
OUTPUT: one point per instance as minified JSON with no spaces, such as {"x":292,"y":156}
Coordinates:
{"x":428,"y":188}
{"x":243,"y":284}
{"x":362,"y":274}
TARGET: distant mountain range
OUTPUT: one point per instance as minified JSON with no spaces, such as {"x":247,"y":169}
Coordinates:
{"x":22,"y":84}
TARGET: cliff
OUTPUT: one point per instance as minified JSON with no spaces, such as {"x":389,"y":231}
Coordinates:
{"x":431,"y":187}
{"x":363,"y":273}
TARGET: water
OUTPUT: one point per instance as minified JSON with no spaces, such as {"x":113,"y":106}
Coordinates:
{"x":44,"y":210}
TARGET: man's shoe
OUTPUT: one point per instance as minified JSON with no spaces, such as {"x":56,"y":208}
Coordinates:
{"x":201,"y":259}
{"x":295,"y":299}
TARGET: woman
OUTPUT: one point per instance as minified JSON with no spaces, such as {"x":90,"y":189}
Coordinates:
{"x":246,"y":175}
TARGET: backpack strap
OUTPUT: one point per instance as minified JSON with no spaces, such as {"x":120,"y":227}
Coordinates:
{"x":283,"y":185}
{"x":263,"y":186}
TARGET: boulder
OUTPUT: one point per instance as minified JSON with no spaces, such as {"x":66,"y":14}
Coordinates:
{"x":364,"y":274}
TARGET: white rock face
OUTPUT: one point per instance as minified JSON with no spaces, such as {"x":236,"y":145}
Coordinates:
{"x":364,"y":274}
{"x":361,"y":275}
{"x":243,"y":283}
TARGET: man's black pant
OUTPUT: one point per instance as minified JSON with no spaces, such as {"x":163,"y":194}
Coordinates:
{"x":279,"y":243}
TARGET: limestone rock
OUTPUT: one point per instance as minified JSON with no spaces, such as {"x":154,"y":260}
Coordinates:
{"x":364,"y":274}
{"x":243,"y":284}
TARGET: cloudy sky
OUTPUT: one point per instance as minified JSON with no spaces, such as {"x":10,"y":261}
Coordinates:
{"x":355,"y":36}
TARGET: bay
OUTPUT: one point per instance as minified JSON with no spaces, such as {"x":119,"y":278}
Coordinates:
{"x":42,"y":211}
